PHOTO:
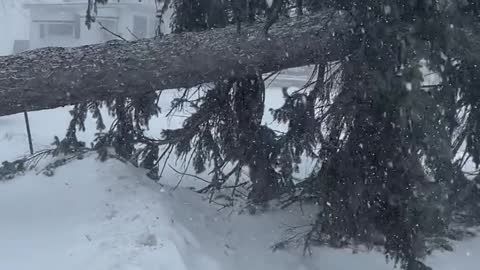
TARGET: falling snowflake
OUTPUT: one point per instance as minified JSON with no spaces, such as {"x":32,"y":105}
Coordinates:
{"x":408,"y":85}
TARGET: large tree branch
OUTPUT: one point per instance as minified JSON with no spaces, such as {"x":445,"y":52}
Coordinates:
{"x":52,"y":77}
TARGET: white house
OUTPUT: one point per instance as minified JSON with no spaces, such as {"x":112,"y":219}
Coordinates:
{"x":62,"y":22}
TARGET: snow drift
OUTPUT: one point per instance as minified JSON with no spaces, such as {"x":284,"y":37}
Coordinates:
{"x":97,"y":216}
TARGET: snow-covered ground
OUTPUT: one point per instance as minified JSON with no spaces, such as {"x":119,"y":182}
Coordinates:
{"x":97,"y":216}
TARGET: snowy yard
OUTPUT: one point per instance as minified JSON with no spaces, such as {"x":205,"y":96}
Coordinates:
{"x":97,"y":216}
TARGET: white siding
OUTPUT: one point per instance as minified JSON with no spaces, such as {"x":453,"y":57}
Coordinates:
{"x":117,"y":17}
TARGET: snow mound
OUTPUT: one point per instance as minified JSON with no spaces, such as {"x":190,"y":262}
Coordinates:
{"x":98,"y":216}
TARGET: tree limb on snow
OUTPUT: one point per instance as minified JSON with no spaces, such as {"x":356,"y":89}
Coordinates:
{"x":53,"y":77}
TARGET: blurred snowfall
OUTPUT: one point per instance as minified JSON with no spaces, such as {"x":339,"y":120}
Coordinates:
{"x":14,"y":24}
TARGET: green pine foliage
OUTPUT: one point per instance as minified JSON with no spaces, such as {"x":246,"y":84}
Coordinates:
{"x":389,"y":149}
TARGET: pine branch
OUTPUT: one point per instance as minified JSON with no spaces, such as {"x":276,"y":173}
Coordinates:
{"x":110,"y":31}
{"x":190,"y":175}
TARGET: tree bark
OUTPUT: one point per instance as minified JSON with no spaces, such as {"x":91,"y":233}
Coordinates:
{"x":53,"y":77}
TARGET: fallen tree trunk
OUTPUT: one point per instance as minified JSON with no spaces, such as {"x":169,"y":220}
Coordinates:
{"x":53,"y":77}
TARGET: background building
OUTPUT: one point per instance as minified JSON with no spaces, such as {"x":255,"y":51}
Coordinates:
{"x":62,"y":22}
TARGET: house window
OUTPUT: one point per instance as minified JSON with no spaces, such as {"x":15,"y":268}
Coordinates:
{"x":54,"y":29}
{"x":140,"y":26}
